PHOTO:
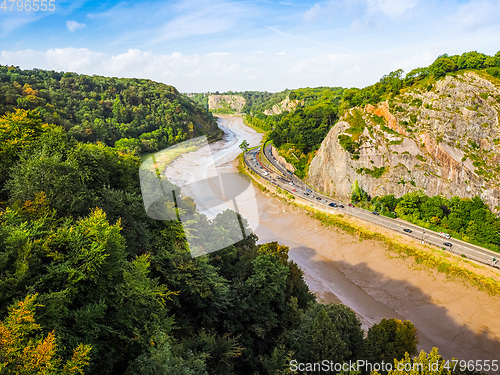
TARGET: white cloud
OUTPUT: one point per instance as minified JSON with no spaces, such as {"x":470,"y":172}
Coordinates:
{"x":391,"y":8}
{"x":313,"y":13}
{"x":253,"y":70}
{"x":358,"y":13}
{"x":18,"y":20}
{"x":476,"y":14}
{"x":250,"y":70}
{"x":73,"y":26}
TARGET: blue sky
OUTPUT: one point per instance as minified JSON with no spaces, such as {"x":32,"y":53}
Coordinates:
{"x":209,"y":45}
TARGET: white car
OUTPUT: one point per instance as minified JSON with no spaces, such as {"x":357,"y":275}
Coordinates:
{"x":290,"y":183}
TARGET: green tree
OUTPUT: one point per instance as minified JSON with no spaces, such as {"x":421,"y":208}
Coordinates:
{"x":132,"y":145}
{"x":389,"y":340}
{"x":442,"y":65}
{"x":327,"y":331}
{"x":161,"y":358}
{"x":358,"y":194}
{"x":244,"y":145}
{"x":276,"y":250}
{"x":408,"y":206}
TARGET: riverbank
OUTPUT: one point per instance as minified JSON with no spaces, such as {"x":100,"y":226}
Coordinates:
{"x":362,"y":273}
{"x":376,"y":281}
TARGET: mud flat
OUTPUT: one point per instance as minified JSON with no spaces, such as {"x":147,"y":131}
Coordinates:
{"x":459,"y":319}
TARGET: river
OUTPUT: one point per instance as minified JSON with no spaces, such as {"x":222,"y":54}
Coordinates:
{"x":461,"y":321}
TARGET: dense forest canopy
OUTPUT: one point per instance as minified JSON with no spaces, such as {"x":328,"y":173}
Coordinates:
{"x":139,"y":114}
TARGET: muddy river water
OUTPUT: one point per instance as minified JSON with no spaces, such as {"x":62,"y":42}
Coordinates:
{"x":460,"y":320}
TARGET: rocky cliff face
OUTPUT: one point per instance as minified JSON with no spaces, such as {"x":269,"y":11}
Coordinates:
{"x":283,"y":106}
{"x":226,"y":102}
{"x":443,"y":139}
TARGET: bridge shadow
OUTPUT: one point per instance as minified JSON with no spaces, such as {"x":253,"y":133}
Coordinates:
{"x":374,"y":296}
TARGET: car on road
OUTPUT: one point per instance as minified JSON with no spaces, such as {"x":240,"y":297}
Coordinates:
{"x":309,"y":190}
{"x":294,"y":190}
{"x":375,"y":213}
{"x":447,"y":244}
{"x":350,"y":205}
{"x":306,"y":193}
{"x":318,"y":198}
{"x":290,"y":183}
{"x":333,"y":204}
{"x":407,"y":230}
{"x":340,"y":206}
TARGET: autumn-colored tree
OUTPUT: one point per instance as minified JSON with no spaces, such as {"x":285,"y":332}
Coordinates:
{"x":276,"y":250}
{"x":17,"y":130}
{"x":23,"y":351}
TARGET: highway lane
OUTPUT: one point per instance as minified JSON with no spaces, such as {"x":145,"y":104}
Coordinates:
{"x":277,"y":174}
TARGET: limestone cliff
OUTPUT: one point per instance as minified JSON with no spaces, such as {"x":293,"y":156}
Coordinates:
{"x":283,"y":106}
{"x":229,"y":103}
{"x":443,"y":139}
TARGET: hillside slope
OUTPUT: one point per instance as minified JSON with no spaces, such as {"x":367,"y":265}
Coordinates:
{"x":149,"y":114}
{"x":443,"y":138}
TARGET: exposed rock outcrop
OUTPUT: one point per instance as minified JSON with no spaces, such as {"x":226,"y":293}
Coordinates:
{"x":226,"y":102}
{"x":443,"y":139}
{"x":283,"y":106}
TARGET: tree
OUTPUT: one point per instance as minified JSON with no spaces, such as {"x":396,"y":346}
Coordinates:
{"x":244,"y":145}
{"x":408,"y":206}
{"x":132,"y":145}
{"x":429,"y":364}
{"x":21,"y":352}
{"x":276,"y":250}
{"x":327,"y":331}
{"x":442,"y":65}
{"x":18,"y":130}
{"x":161,"y":359}
{"x":389,"y":340}
{"x":358,"y":194}
{"x":471,"y":60}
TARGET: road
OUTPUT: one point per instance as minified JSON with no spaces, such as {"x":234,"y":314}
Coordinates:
{"x":271,"y":170}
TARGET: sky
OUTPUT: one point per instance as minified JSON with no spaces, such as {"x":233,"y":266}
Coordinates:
{"x":263,"y":45}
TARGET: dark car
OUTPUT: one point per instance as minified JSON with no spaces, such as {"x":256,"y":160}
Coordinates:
{"x":350,"y":205}
{"x":333,"y":204}
{"x":306,"y":193}
{"x":318,"y":198}
{"x":375,"y":213}
{"x":340,"y":206}
{"x":407,"y":230}
{"x":447,"y":244}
